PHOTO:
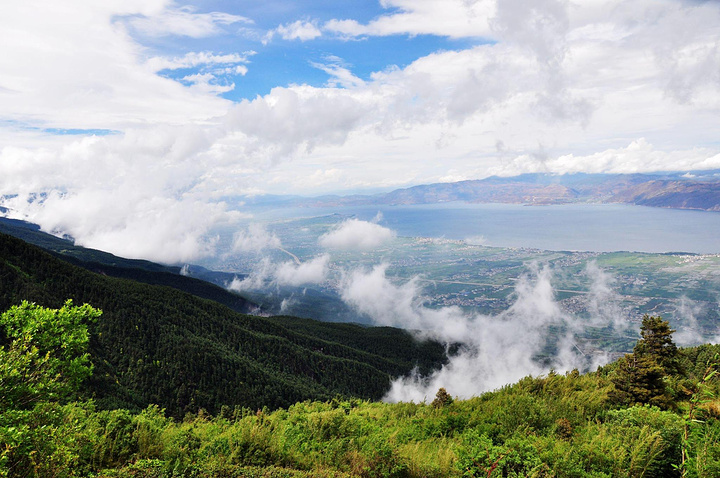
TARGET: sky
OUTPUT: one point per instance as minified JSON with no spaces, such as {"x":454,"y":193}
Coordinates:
{"x":135,"y":125}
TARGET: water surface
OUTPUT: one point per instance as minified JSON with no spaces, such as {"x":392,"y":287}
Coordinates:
{"x":573,"y":227}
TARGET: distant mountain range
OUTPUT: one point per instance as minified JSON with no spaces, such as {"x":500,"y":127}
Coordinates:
{"x":698,"y":190}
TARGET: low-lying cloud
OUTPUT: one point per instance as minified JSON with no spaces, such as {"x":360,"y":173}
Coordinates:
{"x":289,"y":273}
{"x":603,"y":302}
{"x":309,"y":272}
{"x":354,"y":234}
{"x":688,"y":331}
{"x":495,"y":350}
{"x":255,"y":239}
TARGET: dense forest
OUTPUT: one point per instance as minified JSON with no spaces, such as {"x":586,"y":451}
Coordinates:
{"x":157,"y":345}
{"x":149,"y":381}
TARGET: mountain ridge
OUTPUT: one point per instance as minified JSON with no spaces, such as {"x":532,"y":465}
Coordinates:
{"x":672,"y":190}
{"x":196,"y":280}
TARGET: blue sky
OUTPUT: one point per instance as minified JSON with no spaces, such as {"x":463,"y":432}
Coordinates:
{"x":279,"y":61}
{"x":138,"y":119}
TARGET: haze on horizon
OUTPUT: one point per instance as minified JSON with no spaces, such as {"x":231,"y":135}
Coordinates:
{"x":131,"y":124}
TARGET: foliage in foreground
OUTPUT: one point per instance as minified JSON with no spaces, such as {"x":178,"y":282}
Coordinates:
{"x":568,"y":425}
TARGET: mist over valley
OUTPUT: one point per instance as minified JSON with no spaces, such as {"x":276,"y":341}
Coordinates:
{"x":388,"y":238}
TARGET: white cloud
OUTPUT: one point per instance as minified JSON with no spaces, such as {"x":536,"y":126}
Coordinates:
{"x":356,"y":234}
{"x":308,"y":272}
{"x":452,"y":18}
{"x":127,"y":223}
{"x":194,"y":59}
{"x":603,"y":301}
{"x":257,"y":279}
{"x":298,"y":30}
{"x":340,"y":76}
{"x":255,"y":239}
{"x":297,"y":119}
{"x":638,"y":156}
{"x":70,"y":66}
{"x":207,"y":83}
{"x":688,"y":332}
{"x":290,"y":273}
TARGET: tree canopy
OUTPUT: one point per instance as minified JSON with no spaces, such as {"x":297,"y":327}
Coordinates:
{"x":640,"y":376}
{"x":44,"y":356}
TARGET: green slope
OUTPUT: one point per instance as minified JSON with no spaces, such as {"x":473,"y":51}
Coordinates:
{"x":155,"y":344}
{"x":139,"y":270}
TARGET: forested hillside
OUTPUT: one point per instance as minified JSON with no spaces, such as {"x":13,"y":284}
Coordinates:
{"x":158,"y":345}
{"x":154,"y":382}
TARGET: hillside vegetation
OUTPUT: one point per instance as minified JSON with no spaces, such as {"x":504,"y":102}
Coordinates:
{"x":158,"y":345}
{"x":569,"y":425}
{"x":153,"y":382}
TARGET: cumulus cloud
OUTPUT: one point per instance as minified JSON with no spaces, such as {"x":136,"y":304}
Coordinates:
{"x":259,"y":277}
{"x":148,"y":211}
{"x":495,"y":350}
{"x":72,"y":67}
{"x":154,"y":227}
{"x":356,"y":234}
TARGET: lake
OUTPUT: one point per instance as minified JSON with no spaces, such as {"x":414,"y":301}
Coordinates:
{"x":572,"y":227}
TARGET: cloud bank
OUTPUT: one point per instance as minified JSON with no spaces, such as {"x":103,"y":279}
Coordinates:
{"x":495,"y":350}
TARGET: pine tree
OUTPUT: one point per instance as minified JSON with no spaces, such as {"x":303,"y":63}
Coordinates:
{"x":442,"y":398}
{"x":640,"y":376}
{"x":656,"y":343}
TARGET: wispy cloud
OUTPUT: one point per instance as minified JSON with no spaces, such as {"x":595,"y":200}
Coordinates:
{"x":194,"y":59}
{"x":451,"y":18}
{"x":340,"y":75}
{"x":688,"y":332}
{"x":184,"y":21}
{"x":255,"y":239}
{"x":495,"y":350}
